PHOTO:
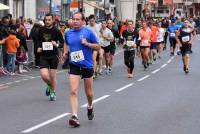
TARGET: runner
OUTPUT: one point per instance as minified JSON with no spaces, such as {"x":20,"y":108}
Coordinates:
{"x":112,"y":44}
{"x":106,"y":36}
{"x":172,"y":36}
{"x":185,"y":37}
{"x":161,"y":35}
{"x":81,"y":42}
{"x":179,"y":24}
{"x":145,"y":35}
{"x":49,"y":40}
{"x":154,"y":43}
{"x":95,"y":28}
{"x":129,"y":46}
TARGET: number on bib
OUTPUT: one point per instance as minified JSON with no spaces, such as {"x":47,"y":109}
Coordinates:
{"x":186,"y":38}
{"x":130,"y":43}
{"x":172,"y":34}
{"x":77,"y":56}
{"x":46,"y":46}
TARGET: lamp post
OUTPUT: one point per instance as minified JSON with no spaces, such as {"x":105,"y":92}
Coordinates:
{"x":50,"y":4}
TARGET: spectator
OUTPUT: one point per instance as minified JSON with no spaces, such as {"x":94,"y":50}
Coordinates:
{"x":12,"y":43}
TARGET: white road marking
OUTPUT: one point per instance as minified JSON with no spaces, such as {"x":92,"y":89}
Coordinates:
{"x":17,"y":81}
{"x":97,"y":100}
{"x":25,"y":75}
{"x":155,"y":71}
{"x":143,"y":78}
{"x":25,"y":79}
{"x":9,"y":83}
{"x":169,"y":61}
{"x":164,"y":65}
{"x":45,"y":123}
{"x":118,"y":52}
{"x":124,"y":87}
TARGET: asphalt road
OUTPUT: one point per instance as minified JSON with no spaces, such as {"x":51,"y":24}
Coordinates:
{"x":161,"y":100}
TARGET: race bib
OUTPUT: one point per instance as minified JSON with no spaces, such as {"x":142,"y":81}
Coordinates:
{"x":145,"y":43}
{"x":77,"y":56}
{"x":130,"y":43}
{"x":186,"y":38}
{"x":46,"y":46}
{"x":172,"y":34}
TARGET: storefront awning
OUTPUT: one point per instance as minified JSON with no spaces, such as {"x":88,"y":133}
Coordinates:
{"x":3,"y":7}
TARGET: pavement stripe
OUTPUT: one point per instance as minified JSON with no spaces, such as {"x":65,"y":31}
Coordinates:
{"x":17,"y":81}
{"x":164,"y":65}
{"x":25,"y":75}
{"x":143,"y":78}
{"x":169,"y":61}
{"x":9,"y":83}
{"x":124,"y":87}
{"x":45,"y":123}
{"x":97,"y":100}
{"x":155,"y":71}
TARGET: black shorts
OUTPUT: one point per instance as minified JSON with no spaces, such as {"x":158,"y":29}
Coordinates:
{"x":154,"y":45}
{"x":172,"y":43}
{"x":185,"y":49}
{"x":112,"y":51}
{"x":106,"y":49}
{"x":50,"y":62}
{"x":83,"y":72}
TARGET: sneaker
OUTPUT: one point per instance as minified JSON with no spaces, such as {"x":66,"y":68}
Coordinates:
{"x":90,"y":113}
{"x":110,"y":70}
{"x":107,"y":71}
{"x":179,"y":53}
{"x":186,"y":71}
{"x":12,"y":74}
{"x":53,"y":96}
{"x":48,"y":89}
{"x":130,"y":75}
{"x":73,"y":121}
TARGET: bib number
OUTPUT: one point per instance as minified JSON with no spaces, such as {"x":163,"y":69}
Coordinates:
{"x":145,"y":43}
{"x":130,"y":43}
{"x":47,"y":46}
{"x":186,"y":38}
{"x":172,"y":34}
{"x":77,"y":56}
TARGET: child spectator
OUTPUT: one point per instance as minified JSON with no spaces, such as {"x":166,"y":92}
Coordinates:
{"x":12,"y":43}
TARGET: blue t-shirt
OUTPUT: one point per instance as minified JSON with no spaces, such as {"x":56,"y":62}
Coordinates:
{"x":172,"y":30}
{"x":179,"y":25}
{"x":79,"y":54}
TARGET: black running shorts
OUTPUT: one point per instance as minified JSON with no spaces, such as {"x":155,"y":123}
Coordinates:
{"x":83,"y":72}
{"x":50,"y":62}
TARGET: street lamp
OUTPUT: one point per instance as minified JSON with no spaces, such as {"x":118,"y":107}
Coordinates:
{"x":50,"y":4}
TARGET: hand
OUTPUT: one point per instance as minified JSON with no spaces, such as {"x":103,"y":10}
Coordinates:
{"x":64,"y":55}
{"x":39,"y":50}
{"x":54,"y":43}
{"x":84,"y":41}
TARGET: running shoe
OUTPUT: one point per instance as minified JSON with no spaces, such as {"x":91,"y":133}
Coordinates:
{"x":53,"y":96}
{"x":74,"y":122}
{"x":178,"y":52}
{"x":90,"y":113}
{"x":48,"y":89}
{"x":110,"y":70}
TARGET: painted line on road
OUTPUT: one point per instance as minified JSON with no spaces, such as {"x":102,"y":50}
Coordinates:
{"x":9,"y":83}
{"x":124,"y":87}
{"x":143,"y":78}
{"x":2,"y":85}
{"x":45,"y":123}
{"x":164,"y":65}
{"x":25,"y":75}
{"x":17,"y":81}
{"x":25,"y":79}
{"x":169,"y":61}
{"x":96,"y":100}
{"x":118,"y":52}
{"x":155,"y":71}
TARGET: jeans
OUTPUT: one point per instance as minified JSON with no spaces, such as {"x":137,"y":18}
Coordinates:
{"x":11,"y":62}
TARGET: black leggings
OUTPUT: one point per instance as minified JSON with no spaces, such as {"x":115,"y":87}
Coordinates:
{"x":129,"y":59}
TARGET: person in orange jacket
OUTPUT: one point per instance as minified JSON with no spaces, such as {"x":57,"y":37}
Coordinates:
{"x":12,"y":43}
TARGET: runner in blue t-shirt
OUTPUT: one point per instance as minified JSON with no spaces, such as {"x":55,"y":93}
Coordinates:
{"x":172,"y":36}
{"x":81,"y":42}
